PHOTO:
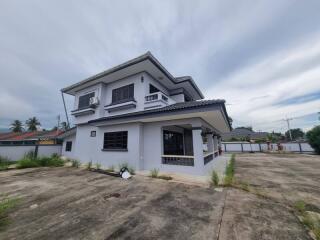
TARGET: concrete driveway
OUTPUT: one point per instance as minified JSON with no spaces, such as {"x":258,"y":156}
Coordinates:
{"x":68,"y":203}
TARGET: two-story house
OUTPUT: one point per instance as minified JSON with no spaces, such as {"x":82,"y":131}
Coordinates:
{"x":138,"y":113}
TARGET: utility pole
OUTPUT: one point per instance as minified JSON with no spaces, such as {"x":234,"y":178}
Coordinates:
{"x":288,"y":124}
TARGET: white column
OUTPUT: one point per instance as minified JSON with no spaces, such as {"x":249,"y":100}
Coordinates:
{"x":210,"y":142}
{"x":215,"y":143}
{"x":197,"y":149}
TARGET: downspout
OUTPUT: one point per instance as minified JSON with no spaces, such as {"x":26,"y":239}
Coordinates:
{"x":65,"y":110}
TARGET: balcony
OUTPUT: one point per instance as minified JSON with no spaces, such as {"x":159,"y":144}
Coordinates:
{"x":83,"y":111}
{"x":157,"y":99}
{"x":121,"y":105}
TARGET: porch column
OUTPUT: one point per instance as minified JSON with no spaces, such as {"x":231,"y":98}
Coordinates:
{"x":215,"y":143}
{"x":210,"y":142}
{"x":197,"y":149}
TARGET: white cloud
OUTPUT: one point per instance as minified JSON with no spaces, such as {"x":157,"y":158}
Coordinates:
{"x":253,"y":54}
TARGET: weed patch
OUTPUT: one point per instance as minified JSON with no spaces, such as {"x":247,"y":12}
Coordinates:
{"x":214,"y":178}
{"x":310,"y":219}
{"x":29,"y":161}
{"x":228,"y":179}
{"x":154,"y":173}
{"x":6,"y":204}
{"x":75,"y":163}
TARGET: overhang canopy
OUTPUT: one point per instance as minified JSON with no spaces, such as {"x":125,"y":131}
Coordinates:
{"x":211,"y":111}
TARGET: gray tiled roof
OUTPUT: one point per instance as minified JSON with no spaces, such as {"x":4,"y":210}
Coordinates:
{"x":169,"y":108}
{"x":147,"y":55}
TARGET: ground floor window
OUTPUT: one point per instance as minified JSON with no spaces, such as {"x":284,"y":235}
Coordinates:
{"x":68,"y":146}
{"x":172,"y":143}
{"x":115,"y":140}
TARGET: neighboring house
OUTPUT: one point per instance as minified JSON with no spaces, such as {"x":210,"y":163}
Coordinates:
{"x":43,"y":143}
{"x":31,"y":138}
{"x":242,"y":133}
{"x":138,"y":113}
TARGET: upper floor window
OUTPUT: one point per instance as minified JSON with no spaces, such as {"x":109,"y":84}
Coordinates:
{"x":84,"y":100}
{"x":123,"y":94}
{"x":153,"y":89}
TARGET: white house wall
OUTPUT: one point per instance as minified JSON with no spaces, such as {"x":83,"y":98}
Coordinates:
{"x":153,"y":148}
{"x":69,"y":154}
{"x":97,"y":89}
{"x":90,"y":148}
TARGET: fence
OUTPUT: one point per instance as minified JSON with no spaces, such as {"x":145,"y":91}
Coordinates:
{"x":16,"y":152}
{"x":261,"y":147}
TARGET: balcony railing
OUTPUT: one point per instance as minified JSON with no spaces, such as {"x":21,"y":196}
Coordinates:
{"x":156,"y":96}
{"x":208,"y":158}
{"x":181,"y":160}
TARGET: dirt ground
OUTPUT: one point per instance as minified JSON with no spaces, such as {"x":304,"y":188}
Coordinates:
{"x":78,"y":204}
{"x":279,"y":180}
{"x":68,"y":203}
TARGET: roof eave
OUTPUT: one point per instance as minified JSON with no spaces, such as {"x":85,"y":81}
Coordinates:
{"x":146,"y":56}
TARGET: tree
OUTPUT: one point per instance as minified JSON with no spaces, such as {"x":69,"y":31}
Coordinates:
{"x":32,"y":124}
{"x":16,"y":126}
{"x":313,"y":137}
{"x":296,"y":134}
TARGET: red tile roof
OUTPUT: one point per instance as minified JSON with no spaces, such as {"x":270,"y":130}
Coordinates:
{"x":29,"y":135}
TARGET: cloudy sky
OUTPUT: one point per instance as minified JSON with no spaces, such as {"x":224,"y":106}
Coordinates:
{"x":262,"y":57}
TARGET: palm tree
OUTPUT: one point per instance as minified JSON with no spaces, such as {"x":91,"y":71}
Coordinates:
{"x":32,"y":124}
{"x":16,"y":126}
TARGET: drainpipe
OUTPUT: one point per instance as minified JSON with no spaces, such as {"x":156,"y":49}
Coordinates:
{"x":65,"y":110}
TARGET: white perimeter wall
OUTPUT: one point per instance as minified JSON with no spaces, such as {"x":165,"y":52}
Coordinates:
{"x":256,"y":147}
{"x":15,"y":153}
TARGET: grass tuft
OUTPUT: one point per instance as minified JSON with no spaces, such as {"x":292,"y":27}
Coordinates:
{"x":214,"y":178}
{"x":154,"y":173}
{"x":4,"y":163}
{"x":228,"y":179}
{"x":6,"y":204}
{"x":300,"y":206}
{"x":75,"y":163}
{"x":89,"y":166}
{"x":310,"y":221}
{"x":98,"y":166}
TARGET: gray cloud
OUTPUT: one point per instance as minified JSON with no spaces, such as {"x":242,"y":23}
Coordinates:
{"x":233,"y":49}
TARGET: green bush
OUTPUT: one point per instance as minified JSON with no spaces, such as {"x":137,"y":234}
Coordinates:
{"x":313,"y":137}
{"x":154,"y":173}
{"x":214,"y":178}
{"x":29,"y":161}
